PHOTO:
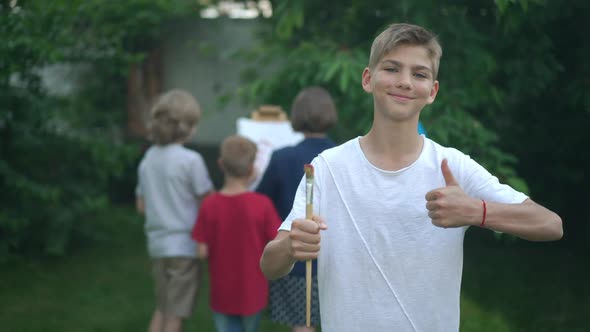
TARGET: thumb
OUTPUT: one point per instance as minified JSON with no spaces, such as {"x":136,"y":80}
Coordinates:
{"x":447,"y":174}
{"x":321,"y":222}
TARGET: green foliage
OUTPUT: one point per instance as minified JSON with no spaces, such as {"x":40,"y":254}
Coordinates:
{"x":505,"y":5}
{"x":328,"y":43}
{"x":513,"y":82}
{"x":58,"y":153}
{"x":545,"y":113}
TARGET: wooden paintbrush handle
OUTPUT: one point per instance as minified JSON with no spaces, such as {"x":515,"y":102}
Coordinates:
{"x":309,"y":177}
{"x":308,"y":293}
{"x":308,"y":215}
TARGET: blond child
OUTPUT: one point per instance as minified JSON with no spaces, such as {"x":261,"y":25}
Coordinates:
{"x":172,"y":182}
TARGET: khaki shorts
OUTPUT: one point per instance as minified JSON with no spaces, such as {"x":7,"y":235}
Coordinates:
{"x":177,"y":283}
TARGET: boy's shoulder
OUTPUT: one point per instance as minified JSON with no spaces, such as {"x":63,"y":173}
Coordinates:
{"x":341,"y":150}
{"x":259,"y":201}
{"x":218,"y":203}
{"x":190,"y":152}
{"x":260,"y":198}
{"x":177,"y":157}
{"x":174,"y":148}
{"x":252,"y":196}
{"x":181,"y":153}
{"x":441,"y":150}
{"x":343,"y":155}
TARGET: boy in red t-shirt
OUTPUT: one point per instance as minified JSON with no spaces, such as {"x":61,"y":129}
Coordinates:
{"x":232,"y":228}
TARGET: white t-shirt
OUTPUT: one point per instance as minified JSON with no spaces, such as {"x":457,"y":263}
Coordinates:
{"x":171,"y":179}
{"x":383,"y":266}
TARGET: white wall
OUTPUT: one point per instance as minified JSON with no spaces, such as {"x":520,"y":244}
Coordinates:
{"x":195,"y":58}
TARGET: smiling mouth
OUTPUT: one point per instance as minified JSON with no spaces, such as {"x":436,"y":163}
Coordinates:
{"x":400,"y":97}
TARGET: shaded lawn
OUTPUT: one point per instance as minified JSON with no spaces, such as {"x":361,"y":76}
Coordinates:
{"x":105,"y":285}
{"x":524,"y":286}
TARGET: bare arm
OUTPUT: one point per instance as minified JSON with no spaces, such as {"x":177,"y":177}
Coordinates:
{"x":301,"y":243}
{"x":202,"y":251}
{"x":450,"y":206}
{"x":277,"y":259}
{"x":140,"y":205}
{"x":527,"y":220}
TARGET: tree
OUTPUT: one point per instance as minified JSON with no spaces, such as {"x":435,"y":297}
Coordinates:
{"x":328,"y":44}
{"x":58,"y":153}
{"x":501,"y":62}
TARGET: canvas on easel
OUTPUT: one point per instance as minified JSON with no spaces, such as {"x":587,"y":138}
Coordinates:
{"x":269,"y":127}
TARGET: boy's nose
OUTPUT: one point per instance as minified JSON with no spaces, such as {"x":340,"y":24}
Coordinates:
{"x":403,"y":80}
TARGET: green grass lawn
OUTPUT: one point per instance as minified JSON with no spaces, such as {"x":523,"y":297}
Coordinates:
{"x":105,"y":285}
{"x":525,"y":286}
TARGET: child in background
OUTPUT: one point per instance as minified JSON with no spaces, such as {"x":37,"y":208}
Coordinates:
{"x":172,"y":181}
{"x":232,"y":229}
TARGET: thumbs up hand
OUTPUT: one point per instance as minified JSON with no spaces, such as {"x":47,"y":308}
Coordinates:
{"x":449,"y":206}
{"x":447,"y":174}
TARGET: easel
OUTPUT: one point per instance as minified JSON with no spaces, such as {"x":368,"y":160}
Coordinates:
{"x":269,"y":113}
{"x":269,"y":127}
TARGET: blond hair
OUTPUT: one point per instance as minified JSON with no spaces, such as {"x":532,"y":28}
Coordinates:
{"x":405,"y":34}
{"x":237,"y":155}
{"x":173,"y":117}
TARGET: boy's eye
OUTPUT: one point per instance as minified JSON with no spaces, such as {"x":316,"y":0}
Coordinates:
{"x":391,"y":69}
{"x":421,"y":75}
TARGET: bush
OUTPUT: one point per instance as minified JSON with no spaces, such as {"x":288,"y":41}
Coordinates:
{"x":60,"y":151}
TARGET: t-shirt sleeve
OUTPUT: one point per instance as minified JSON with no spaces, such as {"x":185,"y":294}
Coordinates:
{"x":477,"y":182}
{"x":199,"y":176}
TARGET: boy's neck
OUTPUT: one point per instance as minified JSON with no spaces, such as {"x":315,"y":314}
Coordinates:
{"x":392,"y":146}
{"x":234,"y":185}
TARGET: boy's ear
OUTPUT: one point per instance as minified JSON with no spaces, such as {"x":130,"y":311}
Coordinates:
{"x":220,"y":164}
{"x":254,"y":171}
{"x":366,"y":80}
{"x":433,"y":92}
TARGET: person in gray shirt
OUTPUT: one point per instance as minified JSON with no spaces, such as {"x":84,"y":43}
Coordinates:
{"x":172,"y":182}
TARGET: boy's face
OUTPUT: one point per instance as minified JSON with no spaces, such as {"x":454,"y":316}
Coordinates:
{"x":402,"y":83}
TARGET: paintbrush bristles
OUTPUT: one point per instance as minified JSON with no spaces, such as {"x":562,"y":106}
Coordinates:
{"x":308,"y":168}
